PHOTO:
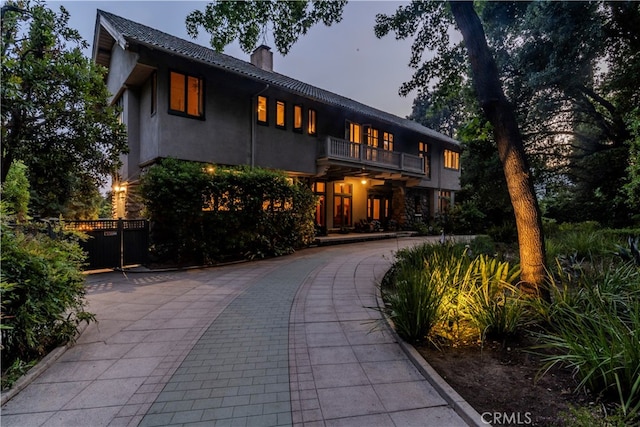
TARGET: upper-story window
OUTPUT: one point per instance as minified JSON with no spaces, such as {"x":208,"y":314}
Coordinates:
{"x":186,"y":95}
{"x":451,"y":159}
{"x":263,"y":117}
{"x":297,"y":118}
{"x":311,"y":126}
{"x":423,"y":152}
{"x":353,"y":132}
{"x":372,"y":137}
{"x":281,"y":114}
{"x":387,"y":141}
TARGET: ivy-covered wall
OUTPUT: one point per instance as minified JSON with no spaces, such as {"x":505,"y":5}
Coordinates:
{"x":206,"y":214}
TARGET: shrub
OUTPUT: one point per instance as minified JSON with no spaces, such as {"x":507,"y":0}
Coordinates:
{"x":42,"y":293}
{"x":482,"y":245}
{"x":505,"y":233}
{"x":15,"y":191}
{"x":466,"y":218}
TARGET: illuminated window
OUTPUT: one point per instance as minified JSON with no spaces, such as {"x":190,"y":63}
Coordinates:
{"x":372,"y":137}
{"x":387,"y":141}
{"x":281,"y":114}
{"x":451,"y":159}
{"x":423,"y":152}
{"x":354,"y":132}
{"x":297,"y":118}
{"x":262,"y":110}
{"x":311,"y":129}
{"x":186,"y":95}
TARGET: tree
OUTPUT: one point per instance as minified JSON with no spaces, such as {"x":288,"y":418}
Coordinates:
{"x":511,"y":151}
{"x":429,"y":22}
{"x":56,"y":116}
{"x":246,"y":21}
{"x":571,"y":69}
{"x":573,"y":111}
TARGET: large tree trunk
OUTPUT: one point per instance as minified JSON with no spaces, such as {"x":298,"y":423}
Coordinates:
{"x":510,"y":148}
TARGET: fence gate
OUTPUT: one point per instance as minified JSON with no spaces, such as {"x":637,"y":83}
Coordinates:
{"x":113,"y":243}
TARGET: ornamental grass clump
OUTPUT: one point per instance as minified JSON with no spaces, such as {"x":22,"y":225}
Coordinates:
{"x":489,"y":299}
{"x":440,"y":292}
{"x":422,"y":278}
{"x":594,"y":329}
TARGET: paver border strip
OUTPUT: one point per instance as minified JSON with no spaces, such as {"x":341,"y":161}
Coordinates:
{"x":460,"y":406}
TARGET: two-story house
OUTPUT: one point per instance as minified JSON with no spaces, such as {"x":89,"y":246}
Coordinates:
{"x":186,"y":101}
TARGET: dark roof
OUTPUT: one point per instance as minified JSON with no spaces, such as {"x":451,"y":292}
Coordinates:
{"x":130,"y":31}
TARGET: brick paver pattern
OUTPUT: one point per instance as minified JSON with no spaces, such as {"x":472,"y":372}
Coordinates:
{"x":238,"y":372}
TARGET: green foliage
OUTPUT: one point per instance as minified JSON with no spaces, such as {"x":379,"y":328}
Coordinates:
{"x":15,"y":191}
{"x":247,"y":21}
{"x":482,"y":245}
{"x":56,"y":114}
{"x":207,"y":215}
{"x":630,"y":253}
{"x":489,"y":298}
{"x":439,"y":292}
{"x":593,"y":417}
{"x":503,"y":233}
{"x":42,"y":293}
{"x":415,"y":303}
{"x":592,"y":320}
{"x":421,"y":281}
{"x":632,"y":187}
{"x":86,"y":202}
{"x":594,"y":324}
{"x":482,"y":181}
{"x":466,"y":218}
{"x":584,"y":241}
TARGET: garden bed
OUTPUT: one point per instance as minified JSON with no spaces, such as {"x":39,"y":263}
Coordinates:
{"x":502,"y":378}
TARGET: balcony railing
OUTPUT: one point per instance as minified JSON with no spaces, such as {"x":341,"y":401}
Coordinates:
{"x":340,"y":149}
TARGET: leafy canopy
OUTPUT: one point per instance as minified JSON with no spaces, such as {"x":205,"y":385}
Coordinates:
{"x":56,"y":114}
{"x":247,"y":21}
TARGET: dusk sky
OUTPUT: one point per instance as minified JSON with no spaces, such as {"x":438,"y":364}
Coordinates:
{"x":345,"y":58}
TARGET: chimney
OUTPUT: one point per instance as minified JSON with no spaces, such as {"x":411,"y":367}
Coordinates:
{"x":262,"y":57}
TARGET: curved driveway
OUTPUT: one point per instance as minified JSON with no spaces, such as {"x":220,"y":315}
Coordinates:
{"x":294,"y":340}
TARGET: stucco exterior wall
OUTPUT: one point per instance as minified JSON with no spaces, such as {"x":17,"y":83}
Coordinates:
{"x":230,"y":135}
{"x":122,"y":63}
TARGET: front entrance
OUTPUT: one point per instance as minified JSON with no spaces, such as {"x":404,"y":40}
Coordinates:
{"x":342,"y":204}
{"x":378,"y":208}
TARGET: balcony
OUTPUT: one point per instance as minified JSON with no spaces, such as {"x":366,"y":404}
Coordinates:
{"x":359,"y":155}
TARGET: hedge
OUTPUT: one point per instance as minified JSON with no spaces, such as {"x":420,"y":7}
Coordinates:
{"x":205,"y":214}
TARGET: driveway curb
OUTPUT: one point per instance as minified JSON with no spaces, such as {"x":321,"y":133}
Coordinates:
{"x":44,"y":364}
{"x":457,"y":402}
